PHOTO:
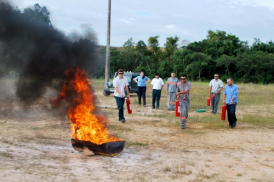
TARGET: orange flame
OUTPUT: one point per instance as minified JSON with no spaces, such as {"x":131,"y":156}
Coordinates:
{"x":85,"y":125}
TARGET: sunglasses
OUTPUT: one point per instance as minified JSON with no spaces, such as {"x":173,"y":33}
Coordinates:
{"x":121,"y":73}
{"x":183,"y":78}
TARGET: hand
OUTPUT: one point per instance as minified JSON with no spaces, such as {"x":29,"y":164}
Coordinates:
{"x":166,"y":92}
{"x":178,"y":93}
{"x":122,"y":95}
{"x":128,"y":96}
{"x":224,"y":102}
{"x":231,"y":102}
{"x":151,"y":90}
{"x":209,"y":95}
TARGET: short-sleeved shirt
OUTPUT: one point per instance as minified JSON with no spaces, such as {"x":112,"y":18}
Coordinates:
{"x":141,"y":81}
{"x":231,"y":92}
{"x":182,"y":87}
{"x":120,"y":84}
{"x":157,"y":83}
{"x":216,"y":85}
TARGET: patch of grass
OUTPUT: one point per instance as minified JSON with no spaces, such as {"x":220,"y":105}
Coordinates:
{"x":6,"y":155}
{"x":259,"y":120}
{"x":119,"y":128}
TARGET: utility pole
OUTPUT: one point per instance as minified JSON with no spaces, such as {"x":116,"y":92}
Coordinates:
{"x":107,"y":67}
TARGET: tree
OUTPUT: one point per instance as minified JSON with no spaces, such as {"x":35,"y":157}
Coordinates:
{"x":226,"y":61}
{"x":39,"y":14}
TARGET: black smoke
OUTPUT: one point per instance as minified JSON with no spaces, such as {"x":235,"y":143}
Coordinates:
{"x":39,"y":52}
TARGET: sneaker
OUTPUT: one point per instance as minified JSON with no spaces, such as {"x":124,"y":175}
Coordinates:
{"x":122,"y":120}
{"x":211,"y":112}
{"x":182,"y":127}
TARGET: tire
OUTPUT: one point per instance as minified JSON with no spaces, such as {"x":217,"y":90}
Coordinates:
{"x":106,"y":93}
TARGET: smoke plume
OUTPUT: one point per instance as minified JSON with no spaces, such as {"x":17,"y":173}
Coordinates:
{"x":39,"y":52}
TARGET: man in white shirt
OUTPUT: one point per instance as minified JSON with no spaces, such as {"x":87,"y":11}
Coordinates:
{"x":157,"y":86}
{"x":215,"y":87}
{"x":120,"y":84}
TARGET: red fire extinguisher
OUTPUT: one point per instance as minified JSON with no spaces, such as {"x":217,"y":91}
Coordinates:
{"x":223,"y":112}
{"x":129,"y":109}
{"x":209,"y":99}
{"x":177,"y":108}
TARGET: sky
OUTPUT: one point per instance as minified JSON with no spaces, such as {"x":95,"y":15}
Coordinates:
{"x":188,"y":19}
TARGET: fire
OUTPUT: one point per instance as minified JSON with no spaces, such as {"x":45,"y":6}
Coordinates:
{"x":85,"y":125}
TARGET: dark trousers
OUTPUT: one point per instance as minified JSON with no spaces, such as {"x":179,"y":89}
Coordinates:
{"x":120,"y":103}
{"x":156,"y":95}
{"x":142,"y":93}
{"x":215,"y":102}
{"x":231,"y":114}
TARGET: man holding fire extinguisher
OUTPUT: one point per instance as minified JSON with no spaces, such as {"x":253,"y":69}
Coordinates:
{"x":120,"y":84}
{"x":183,"y":89}
{"x":215,"y":88}
{"x":231,"y":99}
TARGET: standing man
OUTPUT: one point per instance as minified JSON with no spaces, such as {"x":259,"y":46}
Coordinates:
{"x":157,"y":86}
{"x":183,"y":89}
{"x":120,"y":84}
{"x":215,"y":87}
{"x":231,"y":100}
{"x":171,"y":88}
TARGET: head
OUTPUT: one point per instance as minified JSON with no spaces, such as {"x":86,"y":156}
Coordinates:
{"x":157,"y":75}
{"x":183,"y":78}
{"x":172,"y":74}
{"x":216,"y":76}
{"x":121,"y":73}
{"x":229,"y":81}
{"x":142,"y":74}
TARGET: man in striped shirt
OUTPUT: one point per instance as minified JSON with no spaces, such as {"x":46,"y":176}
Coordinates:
{"x":171,"y":87}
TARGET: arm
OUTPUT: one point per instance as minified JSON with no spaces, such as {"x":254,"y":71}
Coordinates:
{"x":224,"y":99}
{"x":135,"y":79}
{"x":118,"y":91}
{"x":210,"y":88}
{"x":162,"y":87}
{"x":219,"y":90}
{"x":127,"y":91}
{"x":148,"y":80}
{"x":184,"y":92}
{"x":235,"y":93}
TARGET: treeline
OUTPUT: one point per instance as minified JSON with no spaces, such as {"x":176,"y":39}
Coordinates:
{"x":219,"y":53}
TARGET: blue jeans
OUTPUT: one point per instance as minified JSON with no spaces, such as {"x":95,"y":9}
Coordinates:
{"x":214,"y":102}
{"x":231,"y":114}
{"x":156,"y":95}
{"x":120,"y":103}
{"x":142,"y":93}
{"x":184,"y":107}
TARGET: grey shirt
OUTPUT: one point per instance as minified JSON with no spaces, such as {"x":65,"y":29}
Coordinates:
{"x":120,"y":84}
{"x":216,"y":85}
{"x":181,"y":88}
{"x":171,"y":84}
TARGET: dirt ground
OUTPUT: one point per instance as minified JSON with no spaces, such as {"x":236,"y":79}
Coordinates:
{"x":35,"y":146}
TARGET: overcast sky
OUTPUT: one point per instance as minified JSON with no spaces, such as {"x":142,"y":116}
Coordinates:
{"x":188,"y":19}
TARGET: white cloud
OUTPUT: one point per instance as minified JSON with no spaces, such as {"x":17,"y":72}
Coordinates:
{"x":170,"y":26}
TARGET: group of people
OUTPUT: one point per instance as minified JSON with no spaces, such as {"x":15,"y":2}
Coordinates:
{"x":176,"y":90}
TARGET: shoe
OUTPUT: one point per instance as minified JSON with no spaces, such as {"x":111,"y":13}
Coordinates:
{"x":173,"y":109}
{"x":211,"y":112}
{"x":168,"y":109}
{"x":122,"y":120}
{"x":153,"y":107}
{"x":234,"y":125}
{"x":182,"y":127}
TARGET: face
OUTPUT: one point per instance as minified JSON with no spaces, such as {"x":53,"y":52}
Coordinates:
{"x":183,"y":79}
{"x":229,"y":82}
{"x":121,"y":74}
{"x":141,"y":74}
{"x":216,"y":77}
{"x":157,"y":76}
{"x":172,"y":75}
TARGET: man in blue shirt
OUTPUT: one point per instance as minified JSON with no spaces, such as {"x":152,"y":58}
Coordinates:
{"x":231,"y":100}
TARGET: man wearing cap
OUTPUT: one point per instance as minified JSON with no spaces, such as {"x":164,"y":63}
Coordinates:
{"x":231,"y":100}
{"x":183,"y":89}
{"x":120,"y":84}
{"x":171,"y":87}
{"x":215,"y":87}
{"x":157,"y":86}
